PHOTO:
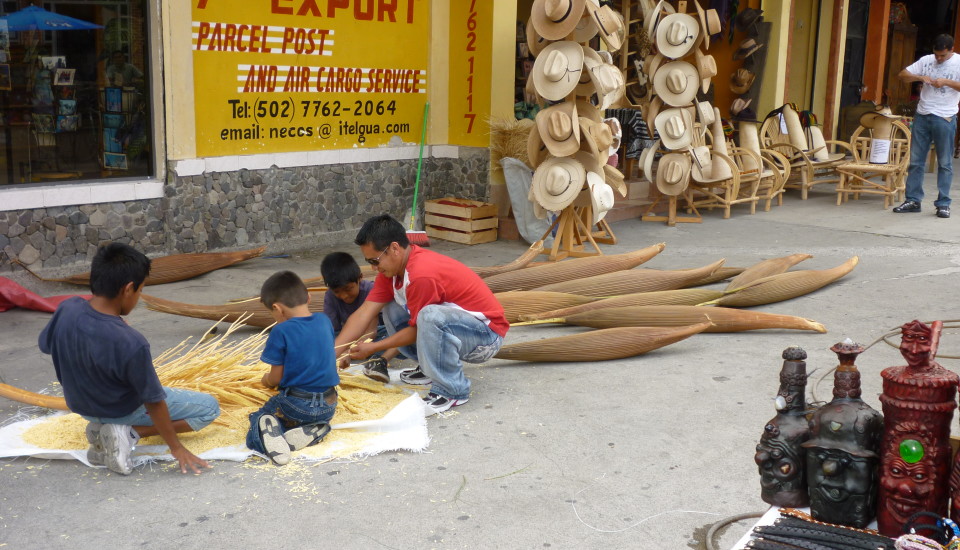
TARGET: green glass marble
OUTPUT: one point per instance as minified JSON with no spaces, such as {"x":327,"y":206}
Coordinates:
{"x":911,"y":451}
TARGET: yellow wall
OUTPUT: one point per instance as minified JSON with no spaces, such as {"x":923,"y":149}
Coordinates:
{"x":771,"y":96}
{"x":439,"y":91}
{"x":178,"y":77}
{"x":803,"y":43}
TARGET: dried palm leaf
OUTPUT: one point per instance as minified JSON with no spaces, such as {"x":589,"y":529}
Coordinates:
{"x":759,"y":270}
{"x":719,"y":275}
{"x":630,"y":281}
{"x":599,"y":345}
{"x":259,"y":315}
{"x":30,"y":398}
{"x":724,"y":319}
{"x":681,"y":297}
{"x":520,"y":302}
{"x":783,"y":286}
{"x":522,"y":261}
{"x":567,"y":270}
{"x":177,"y":267}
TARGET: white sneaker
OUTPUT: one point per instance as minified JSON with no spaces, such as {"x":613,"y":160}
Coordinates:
{"x":437,"y":403}
{"x":118,"y":441}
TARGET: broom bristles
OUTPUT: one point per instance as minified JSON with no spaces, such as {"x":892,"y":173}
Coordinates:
{"x":418,"y":238}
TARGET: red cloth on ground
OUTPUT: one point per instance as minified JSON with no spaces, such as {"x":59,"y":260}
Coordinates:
{"x":13,"y":295}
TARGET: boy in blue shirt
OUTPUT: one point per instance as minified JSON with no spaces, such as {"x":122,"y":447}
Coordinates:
{"x":107,"y":372}
{"x":303,"y":366}
{"x":347,"y":292}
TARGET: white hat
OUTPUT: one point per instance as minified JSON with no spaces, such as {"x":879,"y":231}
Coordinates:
{"x":705,"y":113}
{"x":556,"y":70}
{"x":707,"y":67}
{"x":537,"y":151}
{"x":676,"y":83}
{"x":675,"y":127}
{"x":560,"y":128}
{"x":557,"y":182}
{"x":738,"y":105}
{"x":555,"y":19}
{"x":586,"y":29}
{"x":614,"y":178}
{"x":609,"y":24}
{"x":535,"y":42}
{"x":673,"y":173}
{"x":646,"y":161}
{"x":585,"y":86}
{"x":676,"y":35}
{"x":601,"y":196}
{"x":653,"y":17}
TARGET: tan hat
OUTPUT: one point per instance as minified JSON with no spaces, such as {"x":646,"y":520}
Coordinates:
{"x":676,"y":83}
{"x":589,"y":162}
{"x":746,"y":49}
{"x":585,"y":86}
{"x":675,"y":127}
{"x":555,"y":19}
{"x":535,"y":42}
{"x":652,"y":111}
{"x":556,"y":70}
{"x":595,"y":141}
{"x":653,"y":18}
{"x":557,"y":182}
{"x":646,"y":161}
{"x":537,"y":151}
{"x":601,"y":196}
{"x":738,"y":105}
{"x":673,"y":173}
{"x":586,"y":29}
{"x":608,"y":81}
{"x":704,"y":35}
{"x":741,"y":80}
{"x":707,"y":67}
{"x":881,"y":122}
{"x":609,"y":24}
{"x":676,"y":35}
{"x":819,"y":145}
{"x":615,"y":179}
{"x":588,"y":110}
{"x":560,"y":128}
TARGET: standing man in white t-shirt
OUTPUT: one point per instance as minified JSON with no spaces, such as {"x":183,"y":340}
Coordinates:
{"x":935,"y":120}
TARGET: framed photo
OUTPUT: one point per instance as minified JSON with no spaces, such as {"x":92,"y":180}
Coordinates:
{"x":5,"y":82}
{"x":64,"y":77}
{"x":53,"y":62}
{"x":68,"y":123}
{"x":65,"y":92}
{"x":67,"y":106}
{"x":115,"y":161}
{"x":110,"y":142}
{"x":112,"y":120}
{"x":113,"y":100}
{"x":44,"y":123}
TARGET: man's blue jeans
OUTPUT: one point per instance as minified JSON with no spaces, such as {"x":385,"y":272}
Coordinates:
{"x":196,"y":408}
{"x":940,"y":131}
{"x":291,"y":412}
{"x":446,"y":337}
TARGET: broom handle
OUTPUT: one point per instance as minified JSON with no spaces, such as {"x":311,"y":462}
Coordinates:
{"x":416,"y":185}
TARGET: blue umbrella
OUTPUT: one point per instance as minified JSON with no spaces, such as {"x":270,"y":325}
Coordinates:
{"x":34,"y":18}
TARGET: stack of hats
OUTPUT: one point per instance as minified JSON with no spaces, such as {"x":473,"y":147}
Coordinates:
{"x":569,"y":145}
{"x":679,"y":69}
{"x":743,"y":79}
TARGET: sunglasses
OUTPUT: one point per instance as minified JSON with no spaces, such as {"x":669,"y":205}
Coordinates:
{"x":376,"y":261}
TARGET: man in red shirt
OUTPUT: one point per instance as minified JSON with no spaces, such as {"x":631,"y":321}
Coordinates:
{"x":436,"y":310}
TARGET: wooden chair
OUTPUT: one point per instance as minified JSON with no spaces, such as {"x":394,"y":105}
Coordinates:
{"x":722,"y":186}
{"x":770,"y":168}
{"x":860,"y":176}
{"x":806,"y":170}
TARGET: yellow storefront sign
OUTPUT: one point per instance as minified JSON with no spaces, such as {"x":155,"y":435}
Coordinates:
{"x":471,"y":43}
{"x":300,"y":75}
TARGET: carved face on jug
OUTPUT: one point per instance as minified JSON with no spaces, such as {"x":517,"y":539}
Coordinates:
{"x":842,"y":483}
{"x":909,"y":480}
{"x":915,"y":345}
{"x":778,"y":463}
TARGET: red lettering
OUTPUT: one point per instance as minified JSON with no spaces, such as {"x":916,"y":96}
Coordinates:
{"x":320,"y":79}
{"x":416,"y":82}
{"x":333,"y":5}
{"x":215,"y":38}
{"x":275,"y":7}
{"x":323,"y":40}
{"x":203,"y":32}
{"x":254,"y":37}
{"x":359,"y":13}
{"x":390,"y":7}
{"x":240,"y":39}
{"x":264,"y":48}
{"x":311,"y":6}
{"x":229,"y":36}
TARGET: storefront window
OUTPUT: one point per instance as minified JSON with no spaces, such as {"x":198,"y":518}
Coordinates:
{"x":74,"y":91}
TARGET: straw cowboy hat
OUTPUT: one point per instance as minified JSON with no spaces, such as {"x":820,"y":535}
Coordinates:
{"x":595,"y":141}
{"x":585,"y":86}
{"x":559,"y":128}
{"x":537,"y":151}
{"x":746,"y":49}
{"x":588,"y":110}
{"x":601,"y":196}
{"x":675,"y":127}
{"x":555,"y":19}
{"x":676,"y":83}
{"x":615,"y":179}
{"x":646,"y":161}
{"x":654,"y":17}
{"x":586,"y":29}
{"x":676,"y":35}
{"x":673,"y":173}
{"x":556,"y":70}
{"x":739,"y":105}
{"x":607,"y":79}
{"x":653,"y":109}
{"x":557,"y":182}
{"x":535,"y":42}
{"x":608,"y":23}
{"x":707,"y":67}
{"x":709,"y":24}
{"x":880,"y":121}
{"x":746,"y":19}
{"x":705,"y":112}
{"x":741,"y":80}
{"x":819,"y":145}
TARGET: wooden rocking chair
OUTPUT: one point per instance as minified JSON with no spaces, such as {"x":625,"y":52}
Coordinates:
{"x":860,"y":176}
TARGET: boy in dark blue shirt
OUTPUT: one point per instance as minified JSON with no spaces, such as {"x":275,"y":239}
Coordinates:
{"x":107,"y":372}
{"x":303,"y":366}
{"x":347,"y":292}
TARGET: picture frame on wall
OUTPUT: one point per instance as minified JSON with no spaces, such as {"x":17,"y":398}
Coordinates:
{"x":67,"y":106}
{"x":64,"y":77}
{"x":115,"y":161}
{"x":52,"y":62}
{"x":43,"y":123}
{"x":113,"y":100}
{"x":112,"y":120}
{"x":68,"y":123}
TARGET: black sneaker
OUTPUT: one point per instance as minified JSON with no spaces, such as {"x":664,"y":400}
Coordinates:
{"x":376,"y":369}
{"x":907,"y":206}
{"x":436,"y":403}
{"x":943,"y":211}
{"x":305,"y":436}
{"x":415,"y":377}
{"x":274,"y":444}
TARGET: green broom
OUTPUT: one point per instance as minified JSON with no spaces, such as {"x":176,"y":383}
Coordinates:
{"x":419,"y":237}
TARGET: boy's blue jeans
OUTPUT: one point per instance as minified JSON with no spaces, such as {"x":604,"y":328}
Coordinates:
{"x":940,"y":131}
{"x":292,"y":412}
{"x":196,"y":408}
{"x":446,"y":336}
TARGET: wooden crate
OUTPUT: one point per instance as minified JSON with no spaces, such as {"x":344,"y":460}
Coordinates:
{"x":461,"y":220}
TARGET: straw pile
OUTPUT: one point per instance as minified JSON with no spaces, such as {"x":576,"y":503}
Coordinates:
{"x":508,"y":138}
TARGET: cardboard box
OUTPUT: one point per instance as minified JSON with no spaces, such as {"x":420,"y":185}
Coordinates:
{"x":461,"y":220}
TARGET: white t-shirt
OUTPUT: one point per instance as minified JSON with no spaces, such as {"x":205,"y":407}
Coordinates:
{"x":940,"y":101}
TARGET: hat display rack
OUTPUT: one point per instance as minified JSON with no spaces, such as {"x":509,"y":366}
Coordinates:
{"x":679,"y":69}
{"x":569,"y":145}
{"x":751,"y":52}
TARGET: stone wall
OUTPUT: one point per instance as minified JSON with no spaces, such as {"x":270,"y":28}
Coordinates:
{"x":288,"y":209}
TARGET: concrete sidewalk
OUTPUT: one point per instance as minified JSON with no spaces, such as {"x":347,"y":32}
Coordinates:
{"x":640,"y":453}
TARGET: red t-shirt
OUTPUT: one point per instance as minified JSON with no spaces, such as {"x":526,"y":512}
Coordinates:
{"x":432,"y":278}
